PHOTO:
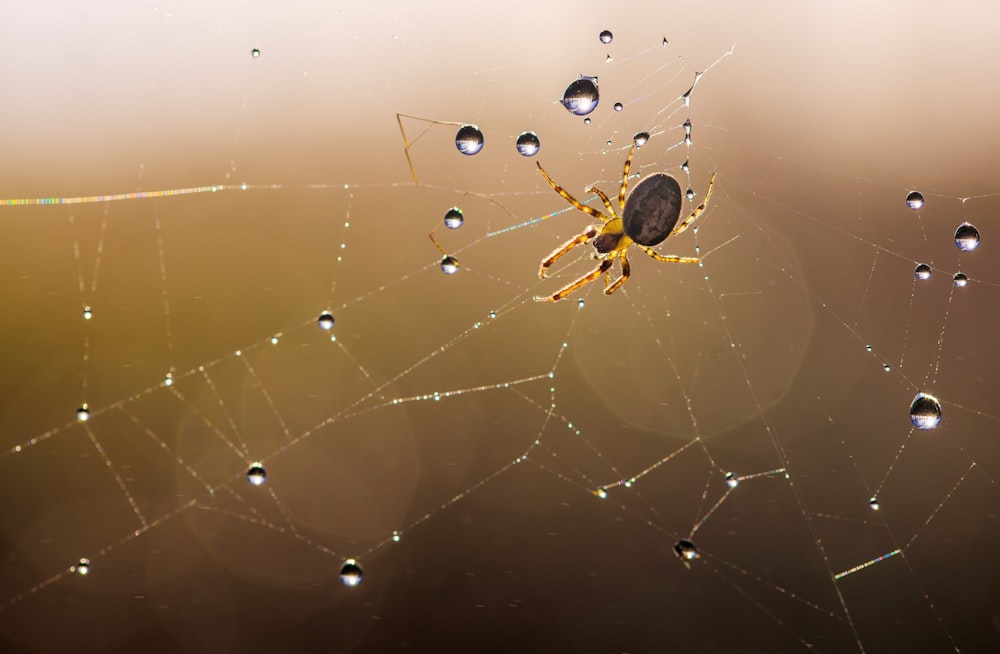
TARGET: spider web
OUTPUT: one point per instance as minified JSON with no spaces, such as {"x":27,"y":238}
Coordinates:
{"x":520,"y":472}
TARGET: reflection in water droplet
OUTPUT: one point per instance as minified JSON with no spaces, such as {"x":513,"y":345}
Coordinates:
{"x":350,"y":573}
{"x":325,"y":320}
{"x":453,"y":219}
{"x":449,"y":265}
{"x":966,"y":237}
{"x":923,"y":271}
{"x":255,"y":53}
{"x":83,"y":413}
{"x":256,"y":474}
{"x":914,"y":200}
{"x":469,"y":140}
{"x":528,"y":144}
{"x":641,"y":139}
{"x":581,"y":96}
{"x":960,"y":280}
{"x":686,"y":550}
{"x":619,"y":106}
{"x":606,"y":36}
{"x":925,"y":411}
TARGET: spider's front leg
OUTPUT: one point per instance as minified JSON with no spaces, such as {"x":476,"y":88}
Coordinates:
{"x":586,"y":279}
{"x":584,"y":236}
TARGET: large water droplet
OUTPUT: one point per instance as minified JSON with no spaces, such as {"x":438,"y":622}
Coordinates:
{"x":325,"y":321}
{"x":606,"y":36}
{"x":581,"y":96}
{"x":350,"y":573}
{"x":256,"y":474}
{"x":469,"y":140}
{"x":925,"y":411}
{"x":960,"y":280}
{"x":641,"y":139}
{"x":914,"y":200}
{"x":453,"y":218}
{"x":966,"y":237}
{"x":922,"y":271}
{"x":528,"y":144}
{"x":449,"y":265}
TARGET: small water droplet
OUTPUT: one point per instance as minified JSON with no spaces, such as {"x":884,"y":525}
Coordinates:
{"x":87,"y":313}
{"x":586,"y":121}
{"x":493,"y":314}
{"x":686,"y":550}
{"x":449,"y":265}
{"x":83,"y":413}
{"x":350,"y":573}
{"x":274,"y":340}
{"x":528,"y":144}
{"x":687,"y":126}
{"x":966,"y":237}
{"x":580,"y":303}
{"x":619,"y":106}
{"x":453,"y":218}
{"x":689,"y":194}
{"x":82,"y":567}
{"x":256,"y":474}
{"x":606,"y":36}
{"x":873,"y":503}
{"x":581,"y":96}
{"x":868,"y":348}
{"x":914,"y":200}
{"x":925,"y":411}
{"x":469,"y":140}
{"x":922,"y":271}
{"x":641,"y":139}
{"x":168,"y":379}
{"x":255,"y":53}
{"x":886,"y":367}
{"x":325,"y":321}
{"x":732,"y":480}
{"x":960,"y":280}
{"x":686,"y":167}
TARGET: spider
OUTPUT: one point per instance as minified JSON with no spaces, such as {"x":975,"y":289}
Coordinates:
{"x":647,"y":218}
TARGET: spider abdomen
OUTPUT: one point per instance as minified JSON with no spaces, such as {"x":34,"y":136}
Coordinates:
{"x":652,"y":209}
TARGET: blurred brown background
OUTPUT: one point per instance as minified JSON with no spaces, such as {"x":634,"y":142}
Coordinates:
{"x":819,"y":121}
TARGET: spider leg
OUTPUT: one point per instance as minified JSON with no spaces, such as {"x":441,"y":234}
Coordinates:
{"x":584,"y":236}
{"x":626,"y":271}
{"x":668,"y":258}
{"x":590,"y":211}
{"x":697,"y":212}
{"x":586,"y":279}
{"x":604,"y":199}
{"x":628,"y":167}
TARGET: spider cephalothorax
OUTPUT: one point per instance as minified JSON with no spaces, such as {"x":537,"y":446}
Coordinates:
{"x":646,"y":218}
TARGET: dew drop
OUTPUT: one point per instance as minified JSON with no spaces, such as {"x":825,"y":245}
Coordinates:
{"x":606,"y":36}
{"x":469,"y":140}
{"x":687,"y":126}
{"x":586,"y":121}
{"x":922,"y":271}
{"x":256,"y":474}
{"x":87,"y":313}
{"x":453,"y":218}
{"x":449,"y":265}
{"x":168,"y":379}
{"x":886,"y":367}
{"x":873,"y":503}
{"x":581,"y":96}
{"x":325,"y":321}
{"x":966,"y":237}
{"x":686,"y":550}
{"x":580,"y":303}
{"x":689,"y":194}
{"x":914,"y":200}
{"x":925,"y":411}
{"x":83,"y":413}
{"x":82,"y":567}
{"x":641,"y":139}
{"x":732,"y":480}
{"x":528,"y":144}
{"x":686,"y":167}
{"x":255,"y":53}
{"x":350,"y":573}
{"x":960,"y":280}
{"x":619,"y":106}
{"x":868,"y":348}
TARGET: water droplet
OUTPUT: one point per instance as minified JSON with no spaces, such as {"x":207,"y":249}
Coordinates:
{"x":873,"y":503}
{"x":83,"y":413}
{"x":868,"y":348}
{"x":687,"y":126}
{"x":469,"y":140}
{"x":325,"y":321}
{"x":493,"y":314}
{"x":256,"y":474}
{"x":274,"y":340}
{"x":581,"y":96}
{"x":255,"y":53}
{"x":886,"y":367}
{"x":168,"y":379}
{"x":925,"y":411}
{"x":641,"y":139}
{"x":586,"y":121}
{"x":453,"y":218}
{"x":619,"y":106}
{"x":87,"y":313}
{"x":689,"y":194}
{"x":606,"y":36}
{"x":449,"y":265}
{"x":922,"y":271}
{"x":82,"y":567}
{"x":580,"y":303}
{"x":960,"y":280}
{"x":914,"y":200}
{"x":732,"y":480}
{"x":528,"y":144}
{"x":686,"y":550}
{"x":686,"y":167}
{"x":966,"y":237}
{"x":350,"y":573}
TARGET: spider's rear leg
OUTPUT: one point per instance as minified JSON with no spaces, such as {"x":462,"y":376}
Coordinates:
{"x":683,"y":225}
{"x":609,"y":287}
{"x":668,"y":258}
{"x":584,"y":236}
{"x":586,"y":279}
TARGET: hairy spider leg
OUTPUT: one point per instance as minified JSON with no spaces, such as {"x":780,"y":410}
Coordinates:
{"x":590,"y":211}
{"x":604,"y":198}
{"x":586,"y":279}
{"x":626,"y":271}
{"x":697,"y":212}
{"x":583,"y":237}
{"x":628,"y":167}
{"x":668,"y":258}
